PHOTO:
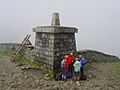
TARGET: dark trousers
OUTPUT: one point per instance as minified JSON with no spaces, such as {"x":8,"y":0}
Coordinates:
{"x":71,"y":69}
{"x":82,"y":71}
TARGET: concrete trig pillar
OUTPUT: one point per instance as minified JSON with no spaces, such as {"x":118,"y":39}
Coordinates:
{"x":53,"y":42}
{"x":55,"y":19}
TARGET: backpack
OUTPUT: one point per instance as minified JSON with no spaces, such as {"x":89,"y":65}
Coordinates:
{"x":58,"y":77}
{"x":83,"y":77}
{"x":83,"y":61}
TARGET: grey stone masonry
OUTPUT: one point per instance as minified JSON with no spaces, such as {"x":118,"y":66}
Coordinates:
{"x":93,"y":55}
{"x":53,"y":42}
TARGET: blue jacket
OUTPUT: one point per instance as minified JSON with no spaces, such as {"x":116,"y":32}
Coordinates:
{"x":82,"y":61}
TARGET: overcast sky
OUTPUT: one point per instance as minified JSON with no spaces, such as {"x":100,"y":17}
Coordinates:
{"x":98,"y":21}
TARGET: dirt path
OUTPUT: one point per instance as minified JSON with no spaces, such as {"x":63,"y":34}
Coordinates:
{"x":100,"y":77}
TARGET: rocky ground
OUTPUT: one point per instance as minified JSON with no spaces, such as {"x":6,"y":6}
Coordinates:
{"x":101,"y":76}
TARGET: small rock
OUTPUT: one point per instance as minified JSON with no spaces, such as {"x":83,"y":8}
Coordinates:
{"x":37,"y":81}
{"x":78,"y":83}
{"x":46,"y":75}
{"x":75,"y":88}
{"x":25,"y":76}
{"x":4,"y":73}
{"x":46,"y":84}
{"x":47,"y":78}
{"x":9,"y":88}
{"x":71,"y":82}
{"x":118,"y":83}
{"x":25,"y":67}
{"x":12,"y":89}
{"x":65,"y":84}
{"x":86,"y":87}
{"x":56,"y":87}
{"x":19,"y":83}
{"x":97,"y":88}
{"x":90,"y":75}
{"x":88,"y":82}
{"x":20,"y":64}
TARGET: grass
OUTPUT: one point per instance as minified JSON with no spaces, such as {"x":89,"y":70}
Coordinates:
{"x":48,"y":74}
{"x":25,"y":61}
{"x":115,"y":67}
{"x":5,"y":54}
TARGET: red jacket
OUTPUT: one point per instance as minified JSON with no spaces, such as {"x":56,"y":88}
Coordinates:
{"x":70,"y":59}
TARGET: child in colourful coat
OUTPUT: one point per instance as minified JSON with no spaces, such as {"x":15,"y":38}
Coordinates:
{"x":83,"y":62}
{"x":65,"y":66}
{"x":77,"y":66}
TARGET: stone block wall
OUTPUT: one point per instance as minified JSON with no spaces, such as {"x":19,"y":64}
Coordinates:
{"x":44,"y":46}
{"x":8,"y":47}
{"x":30,"y":54}
{"x":51,"y":47}
{"x":93,"y":55}
{"x":64,"y":43}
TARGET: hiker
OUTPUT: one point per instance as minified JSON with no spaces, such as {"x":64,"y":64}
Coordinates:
{"x":64,"y":66}
{"x":77,"y":66}
{"x":70,"y":60}
{"x":83,"y":62}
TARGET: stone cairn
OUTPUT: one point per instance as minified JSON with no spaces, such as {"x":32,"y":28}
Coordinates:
{"x":53,"y":42}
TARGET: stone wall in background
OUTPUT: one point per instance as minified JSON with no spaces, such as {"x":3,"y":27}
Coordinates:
{"x":30,"y":54}
{"x":93,"y":55}
{"x":7,"y":47}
